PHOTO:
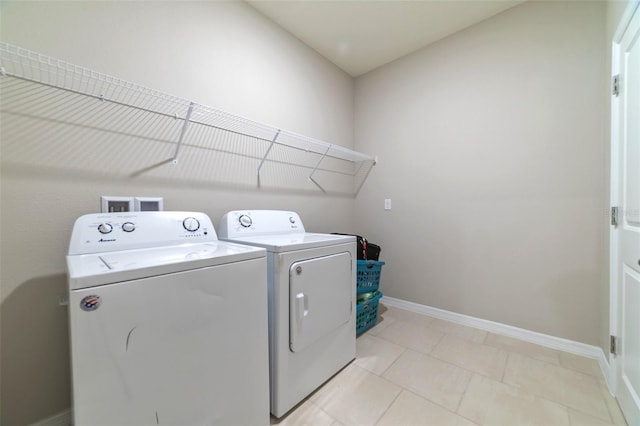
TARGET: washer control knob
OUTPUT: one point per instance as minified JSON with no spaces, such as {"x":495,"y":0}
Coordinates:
{"x":105,"y":228}
{"x":292,"y":219}
{"x":191,"y":224}
{"x":245,"y":220}
{"x":128,"y":227}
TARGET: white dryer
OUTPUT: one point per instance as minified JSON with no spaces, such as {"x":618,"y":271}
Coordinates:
{"x":168,"y":324}
{"x":312,"y":300}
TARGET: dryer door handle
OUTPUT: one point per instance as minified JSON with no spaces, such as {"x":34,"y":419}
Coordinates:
{"x":302,"y":306}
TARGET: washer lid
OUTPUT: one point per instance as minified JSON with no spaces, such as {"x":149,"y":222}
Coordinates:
{"x":90,"y":270}
{"x":280,"y":243}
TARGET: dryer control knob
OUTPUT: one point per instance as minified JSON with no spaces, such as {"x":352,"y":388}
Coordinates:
{"x":245,"y":220}
{"x":191,"y":224}
{"x":128,"y":227}
{"x":105,"y":228}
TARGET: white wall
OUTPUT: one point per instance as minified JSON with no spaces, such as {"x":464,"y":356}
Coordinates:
{"x":492,"y":147}
{"x":221,"y":54}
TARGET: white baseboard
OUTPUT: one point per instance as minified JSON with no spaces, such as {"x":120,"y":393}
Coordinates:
{"x":61,"y":419}
{"x":541,"y":339}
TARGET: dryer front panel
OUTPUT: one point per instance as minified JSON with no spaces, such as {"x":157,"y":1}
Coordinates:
{"x":320,"y":298}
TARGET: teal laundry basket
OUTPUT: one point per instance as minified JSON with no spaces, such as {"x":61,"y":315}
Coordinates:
{"x":367,"y":311}
{"x":368,"y":275}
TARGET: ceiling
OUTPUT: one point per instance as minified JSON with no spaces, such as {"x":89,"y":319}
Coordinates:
{"x":360,"y":35}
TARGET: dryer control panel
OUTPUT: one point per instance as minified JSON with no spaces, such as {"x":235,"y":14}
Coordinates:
{"x":102,"y":232}
{"x":245,"y":223}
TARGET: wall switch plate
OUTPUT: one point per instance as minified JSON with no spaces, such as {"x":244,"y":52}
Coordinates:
{"x":148,"y":204}
{"x":116,"y":204}
{"x":387,"y":203}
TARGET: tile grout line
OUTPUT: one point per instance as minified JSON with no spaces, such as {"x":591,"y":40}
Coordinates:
{"x":506,"y":363}
{"x":486,"y":336}
{"x":442,"y":406}
{"x":462,"y":396}
{"x":404,"y":349}
{"x":437,"y":344}
{"x":609,"y":408}
{"x":392,"y":402}
{"x":323,"y":410}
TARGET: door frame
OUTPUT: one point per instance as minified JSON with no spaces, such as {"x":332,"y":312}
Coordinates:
{"x":633,"y":7}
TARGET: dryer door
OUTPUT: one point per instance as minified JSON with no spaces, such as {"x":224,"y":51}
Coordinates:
{"x":320,"y":298}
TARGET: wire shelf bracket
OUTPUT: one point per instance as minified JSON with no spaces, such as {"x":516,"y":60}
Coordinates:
{"x":273,"y":141}
{"x":182,"y":132}
{"x":316,"y":168}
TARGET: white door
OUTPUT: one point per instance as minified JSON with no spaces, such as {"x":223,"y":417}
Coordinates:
{"x":320,"y":298}
{"x":628,"y":231}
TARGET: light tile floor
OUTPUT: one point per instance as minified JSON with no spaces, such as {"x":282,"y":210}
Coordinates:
{"x":412,"y":369}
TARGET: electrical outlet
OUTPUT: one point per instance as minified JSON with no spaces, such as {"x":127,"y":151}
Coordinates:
{"x":116,"y":204}
{"x":148,"y":204}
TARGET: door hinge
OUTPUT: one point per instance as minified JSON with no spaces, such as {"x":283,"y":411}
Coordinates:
{"x":615,"y":89}
{"x":613,"y":346}
{"x":614,"y":216}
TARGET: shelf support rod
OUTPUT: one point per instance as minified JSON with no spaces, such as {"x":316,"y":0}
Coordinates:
{"x":268,"y":151}
{"x":316,"y":168}
{"x":182,"y":132}
{"x":373,"y":163}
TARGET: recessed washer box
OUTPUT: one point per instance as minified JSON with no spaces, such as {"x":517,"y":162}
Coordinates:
{"x":116,"y":204}
{"x":148,"y":204}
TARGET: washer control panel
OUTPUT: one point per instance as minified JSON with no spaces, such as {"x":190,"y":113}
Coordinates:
{"x":243,"y":223}
{"x":95,"y":233}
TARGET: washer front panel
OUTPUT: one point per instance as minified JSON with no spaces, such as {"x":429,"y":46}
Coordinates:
{"x":183,"y":348}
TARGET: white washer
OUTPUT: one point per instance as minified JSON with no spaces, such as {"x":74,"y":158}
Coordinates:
{"x":168,"y":324}
{"x":312,"y":300}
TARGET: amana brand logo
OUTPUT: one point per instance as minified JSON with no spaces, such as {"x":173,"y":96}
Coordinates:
{"x":105,"y":240}
{"x":90,"y":303}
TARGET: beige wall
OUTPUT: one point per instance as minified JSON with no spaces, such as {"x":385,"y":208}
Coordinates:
{"x":220,"y":54}
{"x":492,"y":147}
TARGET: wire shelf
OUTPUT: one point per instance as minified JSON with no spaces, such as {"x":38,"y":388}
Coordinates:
{"x":60,"y":115}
